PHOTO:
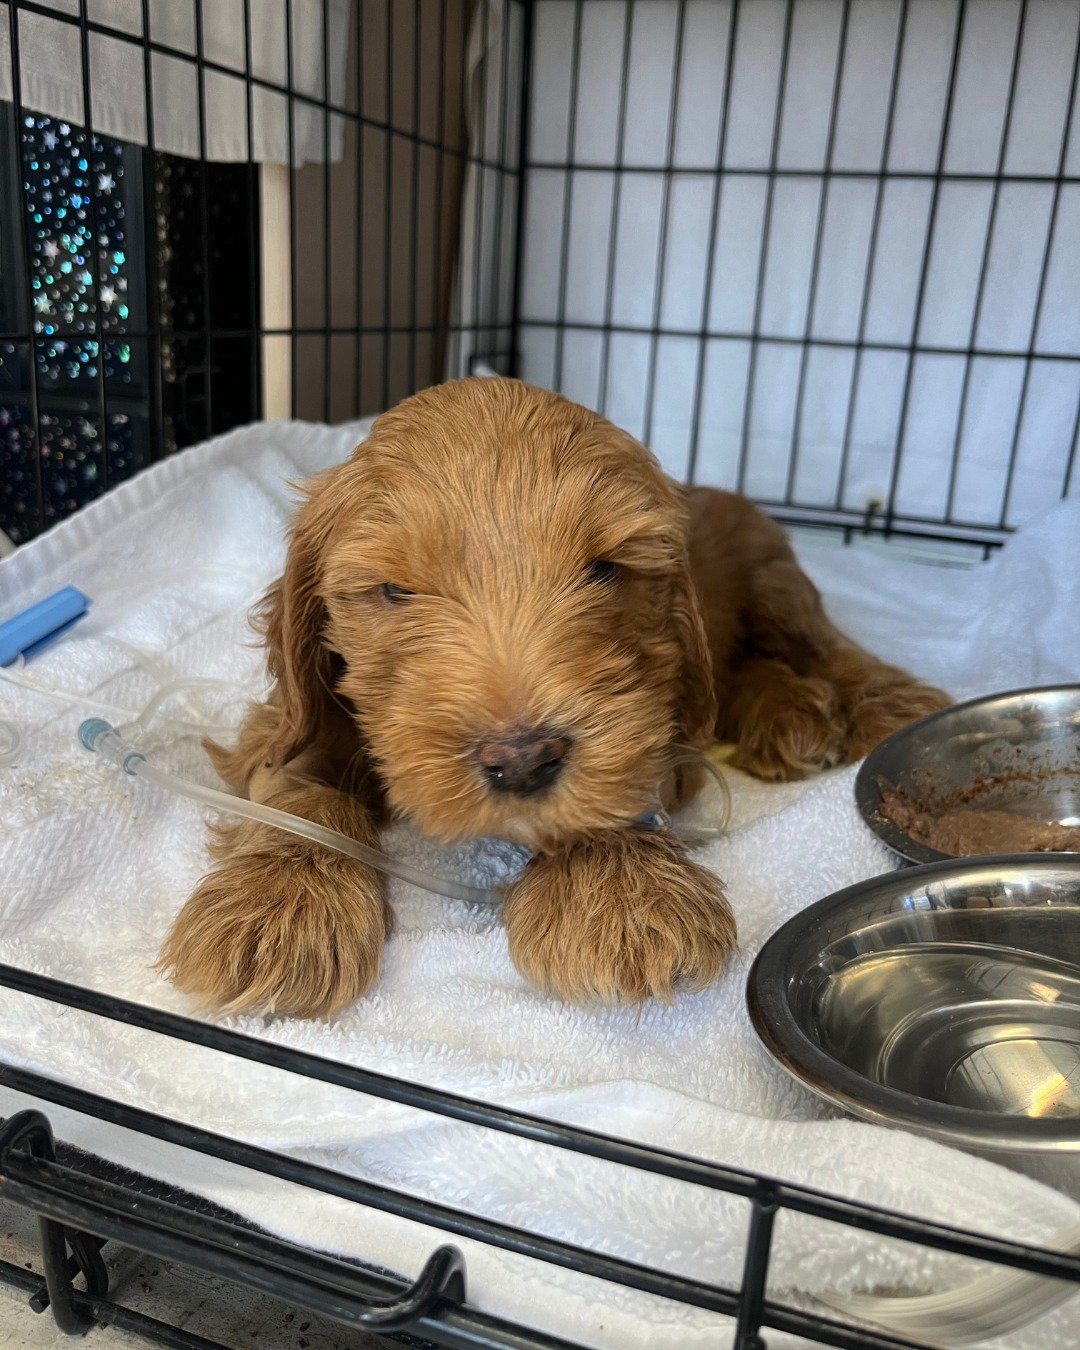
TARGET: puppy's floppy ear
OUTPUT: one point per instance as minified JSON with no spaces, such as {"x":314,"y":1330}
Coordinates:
{"x":696,"y":710}
{"x":292,"y":617}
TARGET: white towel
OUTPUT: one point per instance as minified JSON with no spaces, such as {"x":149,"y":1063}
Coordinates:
{"x":96,"y":865}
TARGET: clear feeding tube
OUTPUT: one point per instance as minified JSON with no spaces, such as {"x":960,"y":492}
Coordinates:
{"x":119,"y":601}
{"x":98,"y":735}
{"x":10,"y":744}
{"x":692,"y":831}
{"x":109,"y":739}
{"x":14,"y":675}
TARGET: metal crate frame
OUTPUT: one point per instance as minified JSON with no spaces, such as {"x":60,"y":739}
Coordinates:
{"x":886,"y":516}
{"x":75,"y":1207}
{"x":78,"y":1210}
{"x":487,"y":324}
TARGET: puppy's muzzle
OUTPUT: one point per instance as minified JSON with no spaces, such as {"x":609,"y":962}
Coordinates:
{"x":524,"y":762}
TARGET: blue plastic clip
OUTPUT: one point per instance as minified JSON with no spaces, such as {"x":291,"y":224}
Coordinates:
{"x":653,"y":820}
{"x":36,"y":626}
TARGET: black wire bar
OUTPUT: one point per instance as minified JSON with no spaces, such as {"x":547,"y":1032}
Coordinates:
{"x":896,"y":31}
{"x":58,"y":1194}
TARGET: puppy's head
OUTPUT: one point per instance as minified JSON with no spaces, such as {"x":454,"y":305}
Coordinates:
{"x":496,"y":587}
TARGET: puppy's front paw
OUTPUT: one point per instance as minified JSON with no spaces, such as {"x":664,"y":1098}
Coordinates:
{"x":288,"y":930}
{"x":885,"y":705}
{"x":626,"y":916}
{"x":790,"y":729}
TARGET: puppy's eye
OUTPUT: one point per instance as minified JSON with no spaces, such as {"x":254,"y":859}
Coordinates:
{"x":390,"y":594}
{"x":601,"y":571}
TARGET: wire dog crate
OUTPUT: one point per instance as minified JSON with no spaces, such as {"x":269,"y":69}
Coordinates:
{"x":818,"y":250}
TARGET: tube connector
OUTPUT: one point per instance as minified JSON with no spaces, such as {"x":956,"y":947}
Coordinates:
{"x":102,"y":738}
{"x":89,"y":731}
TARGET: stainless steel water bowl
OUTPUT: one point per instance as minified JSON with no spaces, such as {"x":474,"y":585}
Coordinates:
{"x":1024,"y":746}
{"x":943,"y":998}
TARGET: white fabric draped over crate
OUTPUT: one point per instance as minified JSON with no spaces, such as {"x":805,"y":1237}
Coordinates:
{"x":51,"y":75}
{"x":96,"y":866}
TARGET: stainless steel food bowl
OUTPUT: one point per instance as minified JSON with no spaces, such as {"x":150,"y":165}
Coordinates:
{"x":943,"y":998}
{"x":1024,"y":745}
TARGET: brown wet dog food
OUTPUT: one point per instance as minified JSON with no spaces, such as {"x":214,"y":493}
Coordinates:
{"x":961,"y":828}
{"x":969,"y":832}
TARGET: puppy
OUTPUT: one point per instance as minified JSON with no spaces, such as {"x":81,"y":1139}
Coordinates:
{"x":500,"y":618}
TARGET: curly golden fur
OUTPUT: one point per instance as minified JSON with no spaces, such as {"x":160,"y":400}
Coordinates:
{"x":497,"y":566}
{"x":623,"y":915}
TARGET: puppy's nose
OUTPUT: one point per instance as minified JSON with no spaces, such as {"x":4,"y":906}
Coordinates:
{"x":524,"y":762}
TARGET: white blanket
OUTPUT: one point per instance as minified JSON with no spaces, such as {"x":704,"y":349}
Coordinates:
{"x":95,"y":865}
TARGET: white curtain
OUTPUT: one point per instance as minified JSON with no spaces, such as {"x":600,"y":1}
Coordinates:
{"x":51,"y":74}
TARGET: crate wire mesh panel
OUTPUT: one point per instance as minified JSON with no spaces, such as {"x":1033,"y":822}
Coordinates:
{"x":818,"y":251}
{"x":824,"y":253}
{"x":822,"y":250}
{"x":302,"y":167}
{"x":435,"y":1306}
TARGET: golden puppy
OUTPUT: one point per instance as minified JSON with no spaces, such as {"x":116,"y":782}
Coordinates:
{"x":500,"y":618}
